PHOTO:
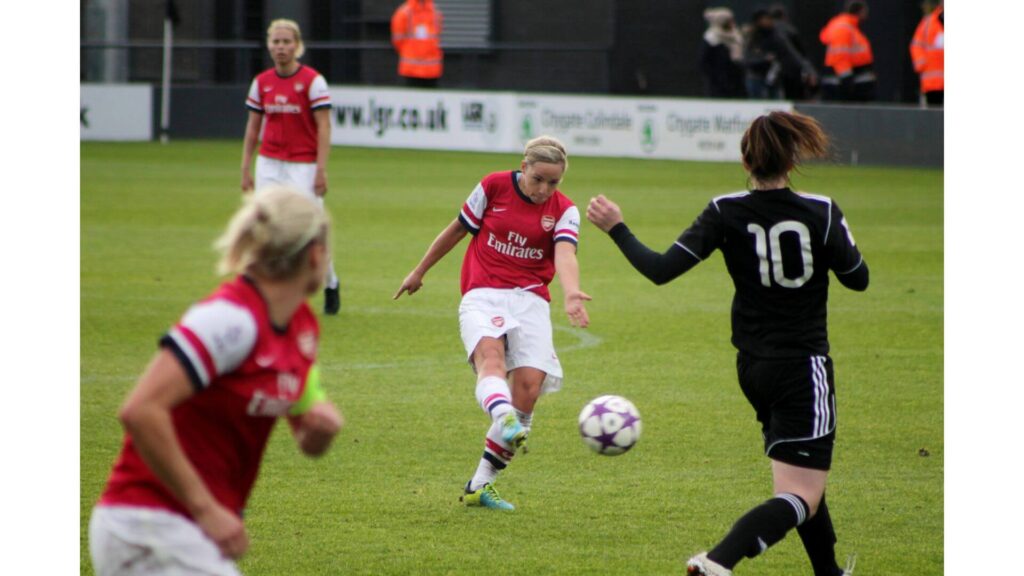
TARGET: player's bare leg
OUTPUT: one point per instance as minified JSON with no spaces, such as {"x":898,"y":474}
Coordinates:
{"x":526,"y":387}
{"x":527,"y":383}
{"x":806,"y":483}
{"x":489,"y":358}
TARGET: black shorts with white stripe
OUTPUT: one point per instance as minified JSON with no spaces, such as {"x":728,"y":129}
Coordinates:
{"x":795,"y":403}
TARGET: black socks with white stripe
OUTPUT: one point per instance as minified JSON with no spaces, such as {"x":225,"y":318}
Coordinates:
{"x":760,"y":528}
{"x":819,"y":539}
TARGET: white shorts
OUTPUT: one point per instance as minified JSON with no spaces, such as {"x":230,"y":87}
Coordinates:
{"x":130,"y":540}
{"x":524,"y":318}
{"x":301,"y":175}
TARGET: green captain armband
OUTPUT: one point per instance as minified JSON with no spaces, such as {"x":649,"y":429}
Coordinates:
{"x":311,"y":395}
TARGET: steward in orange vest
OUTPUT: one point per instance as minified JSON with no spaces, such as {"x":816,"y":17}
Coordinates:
{"x":849,"y":55}
{"x":927,"y":52}
{"x":416,"y":36}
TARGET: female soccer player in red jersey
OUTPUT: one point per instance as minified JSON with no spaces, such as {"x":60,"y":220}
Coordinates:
{"x":779,"y":246}
{"x":292,"y":104}
{"x":198,"y":420}
{"x":524,"y":231}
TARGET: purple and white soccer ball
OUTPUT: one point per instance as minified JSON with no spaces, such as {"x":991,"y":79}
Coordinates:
{"x":610,"y":425}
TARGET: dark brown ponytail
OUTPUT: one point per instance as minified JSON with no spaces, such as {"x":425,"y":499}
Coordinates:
{"x":778,"y":142}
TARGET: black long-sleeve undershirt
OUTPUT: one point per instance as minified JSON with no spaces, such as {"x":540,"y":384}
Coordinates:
{"x":857,"y":279}
{"x":658,"y":268}
{"x":663,"y":268}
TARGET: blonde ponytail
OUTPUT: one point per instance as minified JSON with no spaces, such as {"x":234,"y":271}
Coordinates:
{"x":269,"y":234}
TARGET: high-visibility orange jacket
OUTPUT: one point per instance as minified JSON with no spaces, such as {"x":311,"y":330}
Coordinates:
{"x":416,"y":36}
{"x":847,"y":47}
{"x":927,"y":52}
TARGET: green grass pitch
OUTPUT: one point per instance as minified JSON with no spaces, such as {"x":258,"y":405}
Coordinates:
{"x":385,"y":500}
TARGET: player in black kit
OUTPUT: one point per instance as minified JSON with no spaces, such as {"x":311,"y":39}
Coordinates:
{"x":779,"y":246}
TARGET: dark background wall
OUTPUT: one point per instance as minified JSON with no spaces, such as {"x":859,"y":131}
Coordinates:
{"x":656,"y":42}
{"x":562,"y":48}
{"x":591,"y":46}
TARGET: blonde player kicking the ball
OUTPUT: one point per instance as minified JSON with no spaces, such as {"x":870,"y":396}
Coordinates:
{"x":524,"y":232}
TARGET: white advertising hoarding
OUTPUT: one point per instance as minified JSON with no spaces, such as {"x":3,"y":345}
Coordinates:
{"x":438,"y":119}
{"x":675,"y":129}
{"x":116,"y":112}
{"x":678,"y":129}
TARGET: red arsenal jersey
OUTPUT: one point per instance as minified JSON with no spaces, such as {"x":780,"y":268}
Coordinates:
{"x":514,"y":239}
{"x":287,"y":104}
{"x":246,"y":373}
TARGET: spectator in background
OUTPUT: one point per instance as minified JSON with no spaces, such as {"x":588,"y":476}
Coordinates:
{"x":849,"y":55}
{"x":721,"y":55}
{"x":768,"y":56}
{"x":928,"y":53}
{"x":416,"y":36}
{"x":761,"y":57}
{"x":799,"y":78}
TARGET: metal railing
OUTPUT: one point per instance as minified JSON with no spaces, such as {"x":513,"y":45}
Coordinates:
{"x":208,"y":62}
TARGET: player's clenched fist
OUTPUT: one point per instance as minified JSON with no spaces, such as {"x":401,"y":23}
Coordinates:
{"x":603,"y":213}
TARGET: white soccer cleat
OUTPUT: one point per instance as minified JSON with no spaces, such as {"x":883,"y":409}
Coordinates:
{"x":851,"y":563}
{"x":701,"y":565}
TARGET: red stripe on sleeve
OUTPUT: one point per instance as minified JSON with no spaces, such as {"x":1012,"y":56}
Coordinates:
{"x":200,"y":349}
{"x":469,"y":215}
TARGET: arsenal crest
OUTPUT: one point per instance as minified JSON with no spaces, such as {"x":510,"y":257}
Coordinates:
{"x":498,"y":321}
{"x":547,"y":222}
{"x":299,"y":87}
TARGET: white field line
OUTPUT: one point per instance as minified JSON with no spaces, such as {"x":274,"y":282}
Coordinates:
{"x":584,"y":339}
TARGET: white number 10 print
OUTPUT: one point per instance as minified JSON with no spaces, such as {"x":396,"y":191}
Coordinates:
{"x":769,"y":252}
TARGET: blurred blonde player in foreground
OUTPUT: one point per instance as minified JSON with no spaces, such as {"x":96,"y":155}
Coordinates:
{"x":292,"y":104}
{"x":198,"y":420}
{"x":524,"y":231}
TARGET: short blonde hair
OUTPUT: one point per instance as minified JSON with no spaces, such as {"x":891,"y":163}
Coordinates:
{"x":270,"y":234}
{"x":292,"y":25}
{"x":546,"y":149}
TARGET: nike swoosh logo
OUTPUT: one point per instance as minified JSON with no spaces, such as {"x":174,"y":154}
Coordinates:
{"x":498,"y":209}
{"x":264,"y":361}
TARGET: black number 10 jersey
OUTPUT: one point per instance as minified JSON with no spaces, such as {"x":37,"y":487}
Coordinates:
{"x":779,"y":246}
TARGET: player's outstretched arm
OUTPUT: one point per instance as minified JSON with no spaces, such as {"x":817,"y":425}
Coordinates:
{"x":658,"y":268}
{"x":567,"y":268}
{"x":146,"y":417}
{"x":442,"y":245}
